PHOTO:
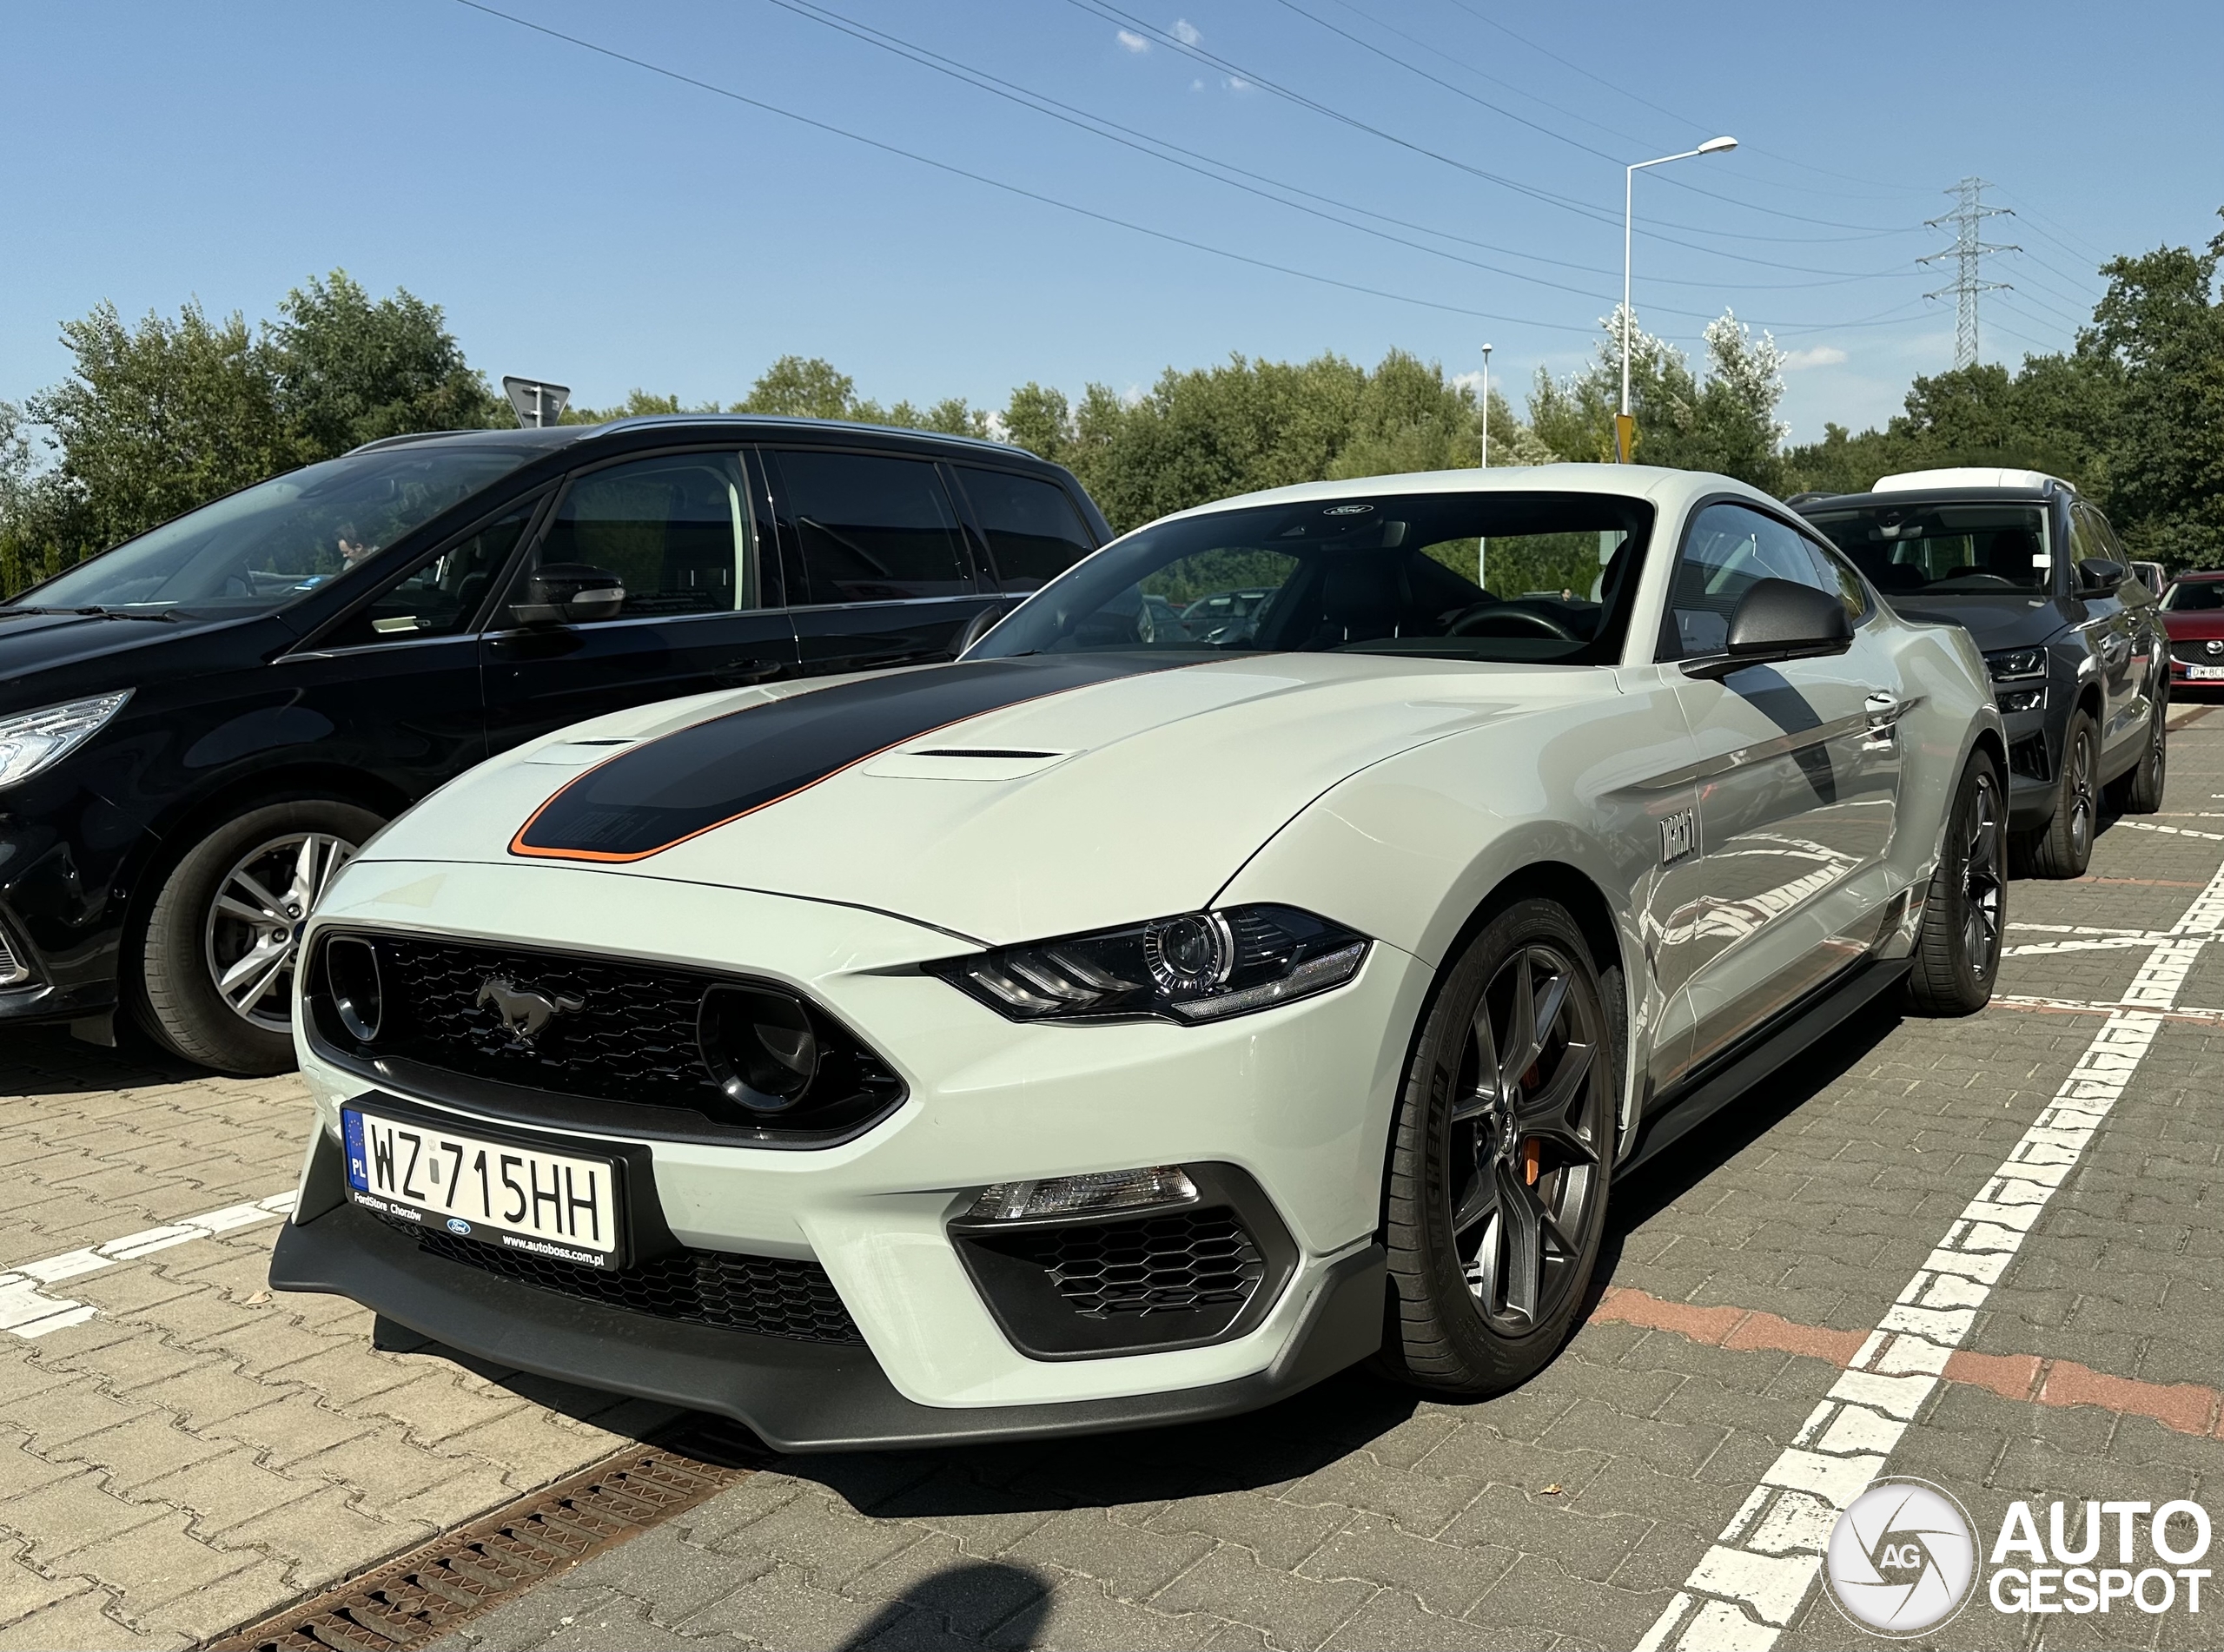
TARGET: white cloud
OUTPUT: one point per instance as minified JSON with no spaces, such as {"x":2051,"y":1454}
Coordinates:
{"x":1468,"y":381}
{"x":1196,"y":86}
{"x":1186,"y":32}
{"x":1822,"y":355}
{"x":1134,"y":43}
{"x":1236,"y":85}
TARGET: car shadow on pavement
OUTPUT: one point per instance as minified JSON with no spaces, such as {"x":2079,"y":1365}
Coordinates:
{"x":1680,"y":1168}
{"x":45,"y":1060}
{"x":959,"y":1605}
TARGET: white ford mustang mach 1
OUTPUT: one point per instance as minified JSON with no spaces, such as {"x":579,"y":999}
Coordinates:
{"x":1263,"y":950}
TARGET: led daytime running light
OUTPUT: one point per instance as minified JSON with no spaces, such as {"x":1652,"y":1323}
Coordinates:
{"x":1110,"y":1190}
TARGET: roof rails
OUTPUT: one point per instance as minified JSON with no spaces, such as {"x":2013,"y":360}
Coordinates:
{"x":1969,"y":476}
{"x":644,"y":421}
{"x":404,"y":440}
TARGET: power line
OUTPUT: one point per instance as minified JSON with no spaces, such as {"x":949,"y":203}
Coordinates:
{"x":1212,"y":167}
{"x":1967,"y":253}
{"x":999,"y":183}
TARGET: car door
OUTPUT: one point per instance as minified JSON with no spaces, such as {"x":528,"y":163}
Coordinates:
{"x":702,"y":596}
{"x":878,"y":567}
{"x":1032,"y":529}
{"x":391,"y":686}
{"x":1798,"y":772}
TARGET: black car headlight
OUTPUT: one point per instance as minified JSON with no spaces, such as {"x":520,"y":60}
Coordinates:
{"x":1193,"y":967}
{"x":2011,"y":664}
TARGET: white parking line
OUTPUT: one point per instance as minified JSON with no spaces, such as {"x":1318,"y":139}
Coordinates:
{"x":2175,"y":831}
{"x":27,"y":1309}
{"x":1751,"y":1585}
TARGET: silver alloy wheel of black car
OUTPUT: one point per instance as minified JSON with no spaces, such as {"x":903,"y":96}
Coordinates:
{"x":1526,"y":1139}
{"x":1501,"y":1153}
{"x":254,"y":924}
{"x":217,"y":952}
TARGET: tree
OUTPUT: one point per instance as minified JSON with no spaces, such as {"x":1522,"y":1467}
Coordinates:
{"x":801,"y":387}
{"x":158,"y":419}
{"x":350,"y":370}
{"x":2160,"y":325}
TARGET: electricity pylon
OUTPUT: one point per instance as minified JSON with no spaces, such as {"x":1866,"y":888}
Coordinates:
{"x":1967,"y":253}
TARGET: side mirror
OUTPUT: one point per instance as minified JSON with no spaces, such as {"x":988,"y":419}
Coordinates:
{"x":564,"y":593}
{"x":980,"y":625}
{"x":2101,"y":574}
{"x":1778,"y":619}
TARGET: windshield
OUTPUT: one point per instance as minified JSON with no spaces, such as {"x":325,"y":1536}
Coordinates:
{"x":267,"y":545}
{"x":1486,"y":575}
{"x":2195,"y":596}
{"x":1945,"y":550}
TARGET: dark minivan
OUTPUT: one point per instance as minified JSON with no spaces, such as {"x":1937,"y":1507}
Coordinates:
{"x":200,"y":725}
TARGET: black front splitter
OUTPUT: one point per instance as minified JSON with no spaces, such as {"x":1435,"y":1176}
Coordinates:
{"x":795,"y":1396}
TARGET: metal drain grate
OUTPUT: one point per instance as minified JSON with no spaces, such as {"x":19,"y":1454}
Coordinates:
{"x":413,"y":1601}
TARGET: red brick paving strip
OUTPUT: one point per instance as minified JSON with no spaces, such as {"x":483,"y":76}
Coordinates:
{"x":2189,"y":1408}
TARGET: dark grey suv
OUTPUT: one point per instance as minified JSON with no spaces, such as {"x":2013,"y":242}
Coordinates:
{"x":2079,"y":660}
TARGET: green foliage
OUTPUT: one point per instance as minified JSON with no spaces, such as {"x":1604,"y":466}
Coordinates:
{"x":808,"y":387}
{"x":350,"y":370}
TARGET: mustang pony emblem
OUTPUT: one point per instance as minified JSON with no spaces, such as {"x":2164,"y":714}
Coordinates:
{"x":525,"y":1013}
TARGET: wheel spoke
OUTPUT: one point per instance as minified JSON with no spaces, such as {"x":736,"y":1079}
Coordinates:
{"x":246,"y":880}
{"x":249,"y":978}
{"x":1521,"y":1043}
{"x":261,"y":917}
{"x":1524,"y":1222}
{"x":1480,"y":1202}
{"x":1548,"y":1116}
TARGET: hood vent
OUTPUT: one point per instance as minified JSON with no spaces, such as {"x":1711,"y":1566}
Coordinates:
{"x":965,"y":762}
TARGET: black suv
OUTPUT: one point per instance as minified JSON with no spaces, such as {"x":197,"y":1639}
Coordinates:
{"x":199,"y":726}
{"x":2079,"y":660}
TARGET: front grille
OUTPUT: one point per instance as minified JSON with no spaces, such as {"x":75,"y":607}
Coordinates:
{"x":2196,"y":653}
{"x":606,"y":1029}
{"x":13,"y":971}
{"x":766,"y":1296}
{"x":1164,"y":1265}
{"x":633,"y":1036}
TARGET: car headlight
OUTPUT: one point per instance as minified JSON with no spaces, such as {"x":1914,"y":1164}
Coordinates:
{"x":31,"y":741}
{"x":1193,"y":967}
{"x":2012,"y":663}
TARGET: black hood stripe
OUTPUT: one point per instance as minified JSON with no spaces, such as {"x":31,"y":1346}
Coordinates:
{"x":651,"y":796}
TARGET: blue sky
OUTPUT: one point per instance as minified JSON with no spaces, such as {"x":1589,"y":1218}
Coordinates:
{"x":599,"y":223}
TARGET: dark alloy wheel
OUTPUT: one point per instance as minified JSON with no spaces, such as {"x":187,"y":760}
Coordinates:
{"x":2063,"y":847}
{"x":2139,"y":791}
{"x":1502,"y":1152}
{"x":1965,"y":915}
{"x":224,"y":934}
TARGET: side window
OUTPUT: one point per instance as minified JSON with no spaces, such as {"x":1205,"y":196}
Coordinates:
{"x":675,"y":530}
{"x":1034,"y":531}
{"x":438,"y":597}
{"x":2084,"y":541}
{"x":1852,"y":592}
{"x":868,"y":528}
{"x":1729,"y":550}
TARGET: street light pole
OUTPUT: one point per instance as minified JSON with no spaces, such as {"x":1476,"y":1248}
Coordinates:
{"x":1486,"y":406}
{"x":1624,"y":425}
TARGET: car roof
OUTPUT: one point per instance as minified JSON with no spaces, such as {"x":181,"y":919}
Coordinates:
{"x":1652,"y":483}
{"x":1942,"y":494}
{"x":770,"y":426}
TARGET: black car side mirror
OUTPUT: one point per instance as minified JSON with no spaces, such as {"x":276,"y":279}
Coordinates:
{"x":564,"y":593}
{"x":2101,"y":574}
{"x":981,"y":624}
{"x":1778,"y":619}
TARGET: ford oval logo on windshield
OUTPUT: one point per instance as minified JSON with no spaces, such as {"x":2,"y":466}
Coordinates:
{"x":1348,"y":510}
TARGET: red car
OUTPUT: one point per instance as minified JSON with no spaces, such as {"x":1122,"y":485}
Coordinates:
{"x":2193,"y":610}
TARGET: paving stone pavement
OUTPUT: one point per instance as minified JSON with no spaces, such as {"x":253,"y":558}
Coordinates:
{"x":1569,"y":1513}
{"x":196,"y":1451}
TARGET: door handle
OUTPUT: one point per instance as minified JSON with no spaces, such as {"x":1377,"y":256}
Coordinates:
{"x":1884,"y":711}
{"x":745,"y":673}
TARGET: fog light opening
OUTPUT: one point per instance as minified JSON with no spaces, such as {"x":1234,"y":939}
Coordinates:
{"x":1088,"y":1195}
{"x":759,"y":1047}
{"x":351,"y":973}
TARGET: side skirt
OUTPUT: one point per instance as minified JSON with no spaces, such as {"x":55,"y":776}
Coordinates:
{"x":1697,"y":1098}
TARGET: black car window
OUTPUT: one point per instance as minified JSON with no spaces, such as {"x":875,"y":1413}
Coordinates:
{"x":1393,"y":573}
{"x":1922,"y":549}
{"x":440,"y":596}
{"x":1729,"y":550}
{"x":2193,"y":596}
{"x":868,"y":528}
{"x":1034,"y":531}
{"x":674,"y":530}
{"x":267,"y":546}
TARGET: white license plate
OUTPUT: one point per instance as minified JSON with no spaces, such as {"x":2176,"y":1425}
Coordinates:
{"x":525,"y":1199}
{"x":2204,"y":673}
